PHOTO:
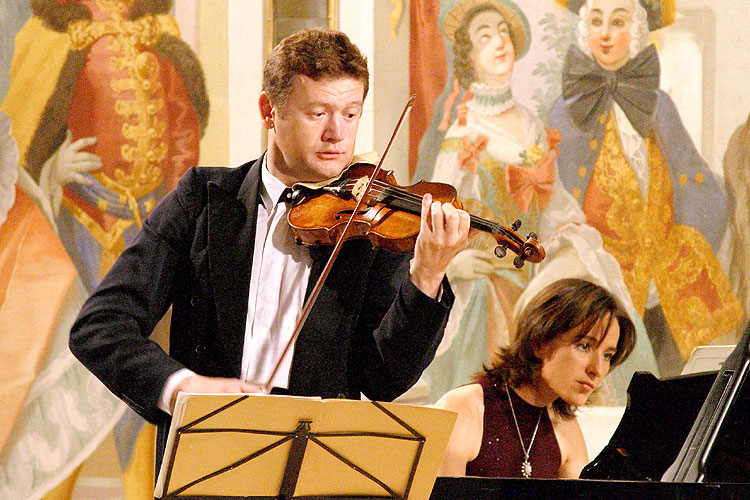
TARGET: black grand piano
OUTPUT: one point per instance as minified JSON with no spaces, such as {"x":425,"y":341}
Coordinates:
{"x":665,"y":447}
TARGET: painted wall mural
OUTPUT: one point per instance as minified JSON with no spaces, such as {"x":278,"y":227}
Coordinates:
{"x":552,"y":113}
{"x":104,"y":107}
{"x":520,"y":108}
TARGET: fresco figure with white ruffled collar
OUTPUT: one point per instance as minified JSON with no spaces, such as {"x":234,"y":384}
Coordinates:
{"x":502,"y":160}
{"x":627,"y":159}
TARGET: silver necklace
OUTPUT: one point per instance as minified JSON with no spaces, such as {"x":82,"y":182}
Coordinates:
{"x":526,"y":465}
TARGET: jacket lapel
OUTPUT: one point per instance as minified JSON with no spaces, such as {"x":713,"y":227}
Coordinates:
{"x":231,"y":238}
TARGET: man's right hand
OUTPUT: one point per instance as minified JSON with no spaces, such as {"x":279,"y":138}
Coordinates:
{"x":198,"y":384}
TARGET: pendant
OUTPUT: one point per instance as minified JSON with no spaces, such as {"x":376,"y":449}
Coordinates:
{"x":526,"y":468}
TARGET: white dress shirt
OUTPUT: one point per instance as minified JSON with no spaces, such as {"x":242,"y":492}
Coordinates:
{"x":278,"y":282}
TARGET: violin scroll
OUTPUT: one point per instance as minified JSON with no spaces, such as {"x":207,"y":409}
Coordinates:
{"x":526,"y":250}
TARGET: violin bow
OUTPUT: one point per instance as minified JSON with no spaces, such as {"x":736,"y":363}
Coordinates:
{"x":337,"y":247}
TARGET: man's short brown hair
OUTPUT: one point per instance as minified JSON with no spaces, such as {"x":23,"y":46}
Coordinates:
{"x":316,"y":54}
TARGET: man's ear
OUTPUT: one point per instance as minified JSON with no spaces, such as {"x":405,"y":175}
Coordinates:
{"x":266,"y":110}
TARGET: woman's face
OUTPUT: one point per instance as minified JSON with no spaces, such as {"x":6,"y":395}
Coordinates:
{"x":573,"y":367}
{"x":609,"y":32}
{"x":492,"y":52}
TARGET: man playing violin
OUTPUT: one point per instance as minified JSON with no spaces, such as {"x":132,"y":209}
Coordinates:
{"x":219,"y":251}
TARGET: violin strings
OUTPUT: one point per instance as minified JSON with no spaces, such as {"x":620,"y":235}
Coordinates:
{"x":382,"y":188}
{"x":416,"y":201}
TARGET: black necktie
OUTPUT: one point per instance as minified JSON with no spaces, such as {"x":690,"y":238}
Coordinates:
{"x":286,"y":196}
{"x":633,"y":87}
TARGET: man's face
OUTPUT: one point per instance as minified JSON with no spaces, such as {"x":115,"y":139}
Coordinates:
{"x":492,"y":52}
{"x":609,"y":35}
{"x":312,"y":135}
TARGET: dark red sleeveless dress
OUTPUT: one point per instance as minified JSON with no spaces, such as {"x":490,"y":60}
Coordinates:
{"x":500,"y":454}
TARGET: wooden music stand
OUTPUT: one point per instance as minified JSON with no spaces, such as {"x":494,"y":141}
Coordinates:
{"x":248,"y":446}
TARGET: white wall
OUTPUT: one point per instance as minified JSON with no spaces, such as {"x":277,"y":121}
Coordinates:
{"x":732,"y":71}
{"x":245,"y":76}
{"x":368,"y":24}
{"x":357,"y":21}
{"x":726,"y":50}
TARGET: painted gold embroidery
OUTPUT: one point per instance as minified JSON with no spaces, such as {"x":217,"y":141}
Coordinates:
{"x":142,"y":99}
{"x":693,"y":290}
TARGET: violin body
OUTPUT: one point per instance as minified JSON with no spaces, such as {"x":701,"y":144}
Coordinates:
{"x":389,"y":216}
{"x":318,"y":217}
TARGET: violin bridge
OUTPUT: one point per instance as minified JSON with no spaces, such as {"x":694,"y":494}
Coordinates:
{"x":359,"y":187}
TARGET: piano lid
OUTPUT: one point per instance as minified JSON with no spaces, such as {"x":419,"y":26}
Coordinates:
{"x":666,"y":420}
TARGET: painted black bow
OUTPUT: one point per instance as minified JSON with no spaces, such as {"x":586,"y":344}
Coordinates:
{"x":593,"y":88}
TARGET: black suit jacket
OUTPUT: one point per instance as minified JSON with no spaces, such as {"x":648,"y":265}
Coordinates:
{"x":371,"y":330}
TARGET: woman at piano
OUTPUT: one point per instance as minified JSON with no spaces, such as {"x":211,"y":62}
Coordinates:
{"x":517,"y":419}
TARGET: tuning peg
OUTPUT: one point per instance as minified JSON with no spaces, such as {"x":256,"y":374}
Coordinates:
{"x":501,"y":250}
{"x":516,"y":225}
{"x":518,"y":262}
{"x":531,"y":236}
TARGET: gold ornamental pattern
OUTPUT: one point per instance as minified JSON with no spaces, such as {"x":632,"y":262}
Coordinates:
{"x":140,"y":100}
{"x":142,"y":96}
{"x":693,"y":290}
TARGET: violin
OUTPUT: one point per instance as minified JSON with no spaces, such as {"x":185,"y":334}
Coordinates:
{"x":389,"y":216}
{"x":365,"y":202}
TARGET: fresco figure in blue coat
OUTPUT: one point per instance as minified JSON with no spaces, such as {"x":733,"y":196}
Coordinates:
{"x":628,"y":160}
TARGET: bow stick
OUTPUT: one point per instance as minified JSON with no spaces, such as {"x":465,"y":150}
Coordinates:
{"x":319,"y":284}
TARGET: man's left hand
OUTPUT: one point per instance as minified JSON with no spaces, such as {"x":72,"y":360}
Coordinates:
{"x":444,"y":232}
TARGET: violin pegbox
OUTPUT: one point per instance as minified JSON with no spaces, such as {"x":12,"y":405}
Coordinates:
{"x":529,"y":250}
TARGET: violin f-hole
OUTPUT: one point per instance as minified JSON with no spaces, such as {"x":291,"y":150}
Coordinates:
{"x":345,"y":214}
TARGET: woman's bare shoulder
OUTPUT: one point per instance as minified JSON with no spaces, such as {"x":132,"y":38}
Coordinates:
{"x":464,"y":399}
{"x":572,"y":445}
{"x":569,"y":428}
{"x":465,"y":440}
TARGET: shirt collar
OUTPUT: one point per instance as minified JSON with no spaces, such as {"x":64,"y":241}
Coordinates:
{"x":271,"y":187}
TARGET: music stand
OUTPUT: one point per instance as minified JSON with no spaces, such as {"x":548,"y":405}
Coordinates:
{"x":230,"y":446}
